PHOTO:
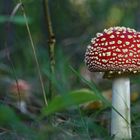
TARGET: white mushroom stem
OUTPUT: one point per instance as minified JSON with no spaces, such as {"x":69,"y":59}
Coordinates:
{"x":22,"y":106}
{"x":120,"y":119}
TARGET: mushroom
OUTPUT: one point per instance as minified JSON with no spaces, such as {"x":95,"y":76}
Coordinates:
{"x":20,"y":92}
{"x":116,"y":52}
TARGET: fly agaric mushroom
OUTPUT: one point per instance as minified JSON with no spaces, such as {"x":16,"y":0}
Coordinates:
{"x":116,"y":52}
{"x":20,"y":91}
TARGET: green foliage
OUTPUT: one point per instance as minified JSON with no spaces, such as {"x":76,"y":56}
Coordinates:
{"x":10,"y":120}
{"x":7,"y":116}
{"x":19,"y":20}
{"x":73,"y":98}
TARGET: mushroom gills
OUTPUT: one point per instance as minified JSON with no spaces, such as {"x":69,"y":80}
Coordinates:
{"x":115,"y":74}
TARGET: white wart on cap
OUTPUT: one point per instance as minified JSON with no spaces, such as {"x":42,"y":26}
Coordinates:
{"x":116,"y":50}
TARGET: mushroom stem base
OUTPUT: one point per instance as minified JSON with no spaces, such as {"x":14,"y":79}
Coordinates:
{"x":120,"y":122}
{"x":22,"y":106}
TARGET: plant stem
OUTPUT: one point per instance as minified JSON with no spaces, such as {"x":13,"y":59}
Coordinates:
{"x":51,"y":44}
{"x":34,"y":53}
{"x":120,"y":122}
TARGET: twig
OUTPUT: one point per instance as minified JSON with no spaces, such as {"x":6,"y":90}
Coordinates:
{"x":16,"y":8}
{"x":51,"y":44}
{"x":34,"y":52}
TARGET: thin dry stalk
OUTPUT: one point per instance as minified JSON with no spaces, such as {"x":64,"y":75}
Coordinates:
{"x":51,"y":44}
{"x":34,"y":52}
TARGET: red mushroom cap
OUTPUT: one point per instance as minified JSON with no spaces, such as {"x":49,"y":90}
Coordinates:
{"x":117,"y":49}
{"x":20,"y":88}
